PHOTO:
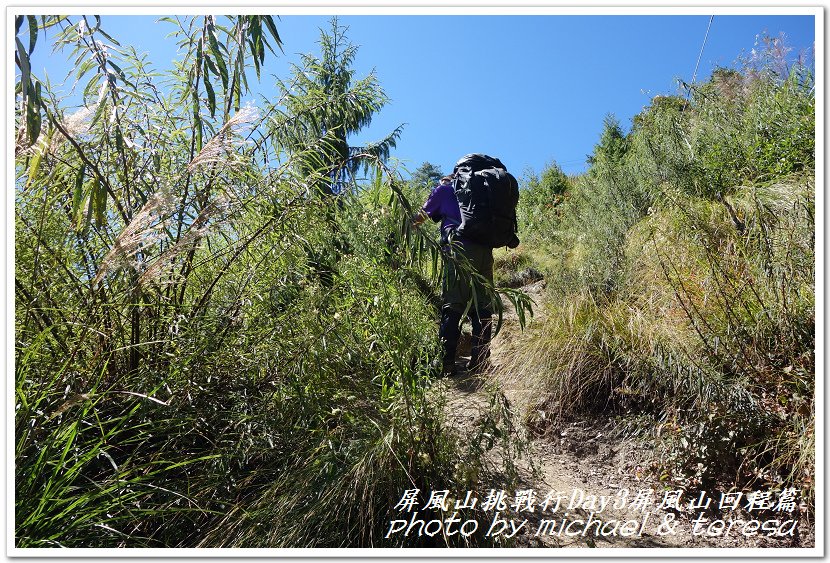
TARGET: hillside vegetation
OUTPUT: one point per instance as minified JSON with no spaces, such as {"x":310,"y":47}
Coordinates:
{"x":682,"y":284}
{"x":225,"y":323}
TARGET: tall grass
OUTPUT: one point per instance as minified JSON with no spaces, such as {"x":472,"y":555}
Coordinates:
{"x":210,"y":351}
{"x":292,"y":410}
{"x":684,"y":300}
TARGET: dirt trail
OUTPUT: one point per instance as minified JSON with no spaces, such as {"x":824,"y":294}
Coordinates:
{"x":580,"y":463}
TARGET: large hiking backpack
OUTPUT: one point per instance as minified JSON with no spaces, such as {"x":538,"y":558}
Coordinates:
{"x":487,"y":196}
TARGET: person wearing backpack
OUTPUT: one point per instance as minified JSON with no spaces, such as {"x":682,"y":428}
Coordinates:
{"x":442,"y":206}
{"x":476,"y":206}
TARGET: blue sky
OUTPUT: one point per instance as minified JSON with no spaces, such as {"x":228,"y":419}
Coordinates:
{"x":528,"y":89}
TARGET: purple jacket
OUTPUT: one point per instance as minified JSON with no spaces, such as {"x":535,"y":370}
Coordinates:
{"x":441,"y":205}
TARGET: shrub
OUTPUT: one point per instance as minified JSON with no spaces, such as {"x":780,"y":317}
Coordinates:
{"x":683,"y":300}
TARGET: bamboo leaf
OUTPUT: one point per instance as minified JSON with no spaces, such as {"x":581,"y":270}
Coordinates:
{"x":100,"y":111}
{"x":108,"y":36}
{"x":237,"y":93}
{"x":33,"y":120}
{"x":214,"y":45}
{"x":256,"y":44}
{"x":18,"y":22}
{"x":32,"y":33}
{"x":90,"y":200}
{"x":197,"y":121}
{"x":23,"y":63}
{"x":80,"y":220}
{"x":119,"y":140}
{"x":100,"y":197}
{"x":211,"y":97}
{"x":117,"y":69}
{"x":84,"y":67}
{"x":78,"y":192}
{"x":34,"y":165}
{"x":269,"y":23}
{"x":80,"y":57}
{"x":199,"y":54}
{"x":51,"y":21}
{"x":210,"y":67}
{"x":93,"y":82}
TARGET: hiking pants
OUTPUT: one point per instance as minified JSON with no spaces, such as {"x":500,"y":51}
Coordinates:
{"x":456,"y":294}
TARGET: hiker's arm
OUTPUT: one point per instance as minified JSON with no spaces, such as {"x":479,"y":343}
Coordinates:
{"x":419,"y":218}
{"x":432,"y":208}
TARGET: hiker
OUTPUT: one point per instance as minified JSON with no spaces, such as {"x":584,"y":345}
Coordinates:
{"x":442,"y":205}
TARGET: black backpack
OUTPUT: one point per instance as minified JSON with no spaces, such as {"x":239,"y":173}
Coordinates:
{"x":487,"y":196}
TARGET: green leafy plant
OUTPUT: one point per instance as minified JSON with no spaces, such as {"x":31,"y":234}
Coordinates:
{"x":683,"y":297}
{"x":209,"y":353}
